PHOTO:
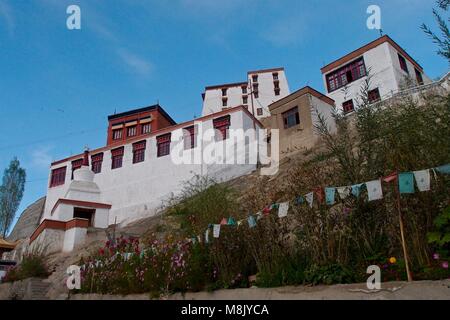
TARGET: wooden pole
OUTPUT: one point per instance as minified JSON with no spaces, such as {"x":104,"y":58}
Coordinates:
{"x":402,"y":231}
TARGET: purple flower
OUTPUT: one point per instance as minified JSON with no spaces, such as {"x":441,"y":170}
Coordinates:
{"x":445,"y":264}
{"x":436,"y":256}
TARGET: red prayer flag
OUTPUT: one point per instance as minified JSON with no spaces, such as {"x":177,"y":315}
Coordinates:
{"x":390,"y":178}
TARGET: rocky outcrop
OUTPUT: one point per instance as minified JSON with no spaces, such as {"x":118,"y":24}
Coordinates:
{"x":28,"y":221}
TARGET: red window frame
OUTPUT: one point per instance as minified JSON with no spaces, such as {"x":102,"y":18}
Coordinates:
{"x":96,"y":162}
{"x":139,"y":151}
{"x":189,"y":138}
{"x":374,"y":95}
{"x":117,"y":134}
{"x":131,"y":131}
{"x":163,"y":145}
{"x":146,"y":128}
{"x":76,"y":164}
{"x":58,"y":177}
{"x":117,"y":158}
{"x":403,"y":65}
{"x":221,"y":125}
{"x":348,"y":106}
{"x":291,"y":118}
{"x":347,"y":74}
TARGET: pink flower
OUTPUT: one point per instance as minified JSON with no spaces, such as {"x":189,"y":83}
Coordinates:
{"x":436,"y":256}
{"x":445,"y":264}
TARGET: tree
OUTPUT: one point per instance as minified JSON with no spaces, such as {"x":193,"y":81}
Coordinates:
{"x":11,"y":193}
{"x":443,"y":42}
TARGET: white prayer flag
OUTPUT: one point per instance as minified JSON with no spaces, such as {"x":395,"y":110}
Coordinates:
{"x":283,"y":209}
{"x":216,"y":231}
{"x":374,"y":190}
{"x":422,"y":179}
{"x":344,"y":192}
{"x":310,"y":198}
{"x":207,"y":236}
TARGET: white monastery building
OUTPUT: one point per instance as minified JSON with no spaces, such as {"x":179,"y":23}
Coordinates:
{"x":390,"y":67}
{"x":262,"y":88}
{"x":135,"y":172}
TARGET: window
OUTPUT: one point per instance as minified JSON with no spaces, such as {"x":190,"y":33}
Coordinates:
{"x":146,"y":128}
{"x":224,"y":102}
{"x":221,"y":125}
{"x":419,"y":77}
{"x":116,"y":158}
{"x":163,"y":143}
{"x":403,"y":65}
{"x":139,"y":151}
{"x":117,"y":134}
{"x":224,"y":92}
{"x":256,"y":95}
{"x":277,"y":91}
{"x":255,"y":90}
{"x":275,"y":76}
{"x":244,"y":99}
{"x":291,"y":118}
{"x":374,"y":95}
{"x":255,"y":78}
{"x":58,"y":177}
{"x":76,"y":164}
{"x":276,"y":85}
{"x":131,"y":131}
{"x":97,"y":160}
{"x":189,"y":139}
{"x":259,"y":111}
{"x":244,"y":89}
{"x":345,"y":75}
{"x":348,"y":106}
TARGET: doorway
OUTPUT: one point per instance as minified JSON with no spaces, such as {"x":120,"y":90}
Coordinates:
{"x":83,"y":213}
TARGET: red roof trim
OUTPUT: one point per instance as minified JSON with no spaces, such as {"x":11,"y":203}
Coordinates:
{"x":96,"y":205}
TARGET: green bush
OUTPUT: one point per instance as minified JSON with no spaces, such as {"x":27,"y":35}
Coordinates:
{"x":32,"y":266}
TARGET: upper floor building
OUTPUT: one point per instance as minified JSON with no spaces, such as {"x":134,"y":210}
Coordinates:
{"x":262,"y":88}
{"x":388,"y":66}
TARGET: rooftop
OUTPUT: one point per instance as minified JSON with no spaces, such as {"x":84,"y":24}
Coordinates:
{"x":155,"y":107}
{"x":358,"y":52}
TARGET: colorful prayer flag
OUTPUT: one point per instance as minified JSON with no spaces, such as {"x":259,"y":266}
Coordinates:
{"x":374,"y":190}
{"x":390,"y":177}
{"x":251,"y":221}
{"x":356,"y":189}
{"x":406,"y":182}
{"x":444,"y":169}
{"x":207,"y":236}
{"x":224,"y":222}
{"x":422,"y":179}
{"x":330,"y":195}
{"x":319,"y":193}
{"x":231,"y":221}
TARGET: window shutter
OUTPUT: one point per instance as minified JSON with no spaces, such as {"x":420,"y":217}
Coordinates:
{"x":163,"y":138}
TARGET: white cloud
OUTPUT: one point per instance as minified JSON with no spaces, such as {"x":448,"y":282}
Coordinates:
{"x":41,"y":157}
{"x":287,"y":31}
{"x":135,"y":63}
{"x":6,"y":14}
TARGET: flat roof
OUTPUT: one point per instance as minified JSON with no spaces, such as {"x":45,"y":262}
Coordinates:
{"x":360,"y":51}
{"x":155,"y":107}
{"x":226,"y":85}
{"x":300,"y":92}
{"x":266,"y":70}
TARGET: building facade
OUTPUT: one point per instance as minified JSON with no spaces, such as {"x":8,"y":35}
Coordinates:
{"x":133,"y":176}
{"x":296,"y":115}
{"x":389,"y":67}
{"x":262,"y":88}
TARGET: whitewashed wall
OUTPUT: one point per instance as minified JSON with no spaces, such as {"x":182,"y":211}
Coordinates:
{"x":386,"y":74}
{"x":138,"y":190}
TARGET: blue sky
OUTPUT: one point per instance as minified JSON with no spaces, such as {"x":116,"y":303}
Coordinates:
{"x":58,"y":86}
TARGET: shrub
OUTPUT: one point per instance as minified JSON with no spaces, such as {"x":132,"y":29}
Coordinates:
{"x":32,"y":266}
